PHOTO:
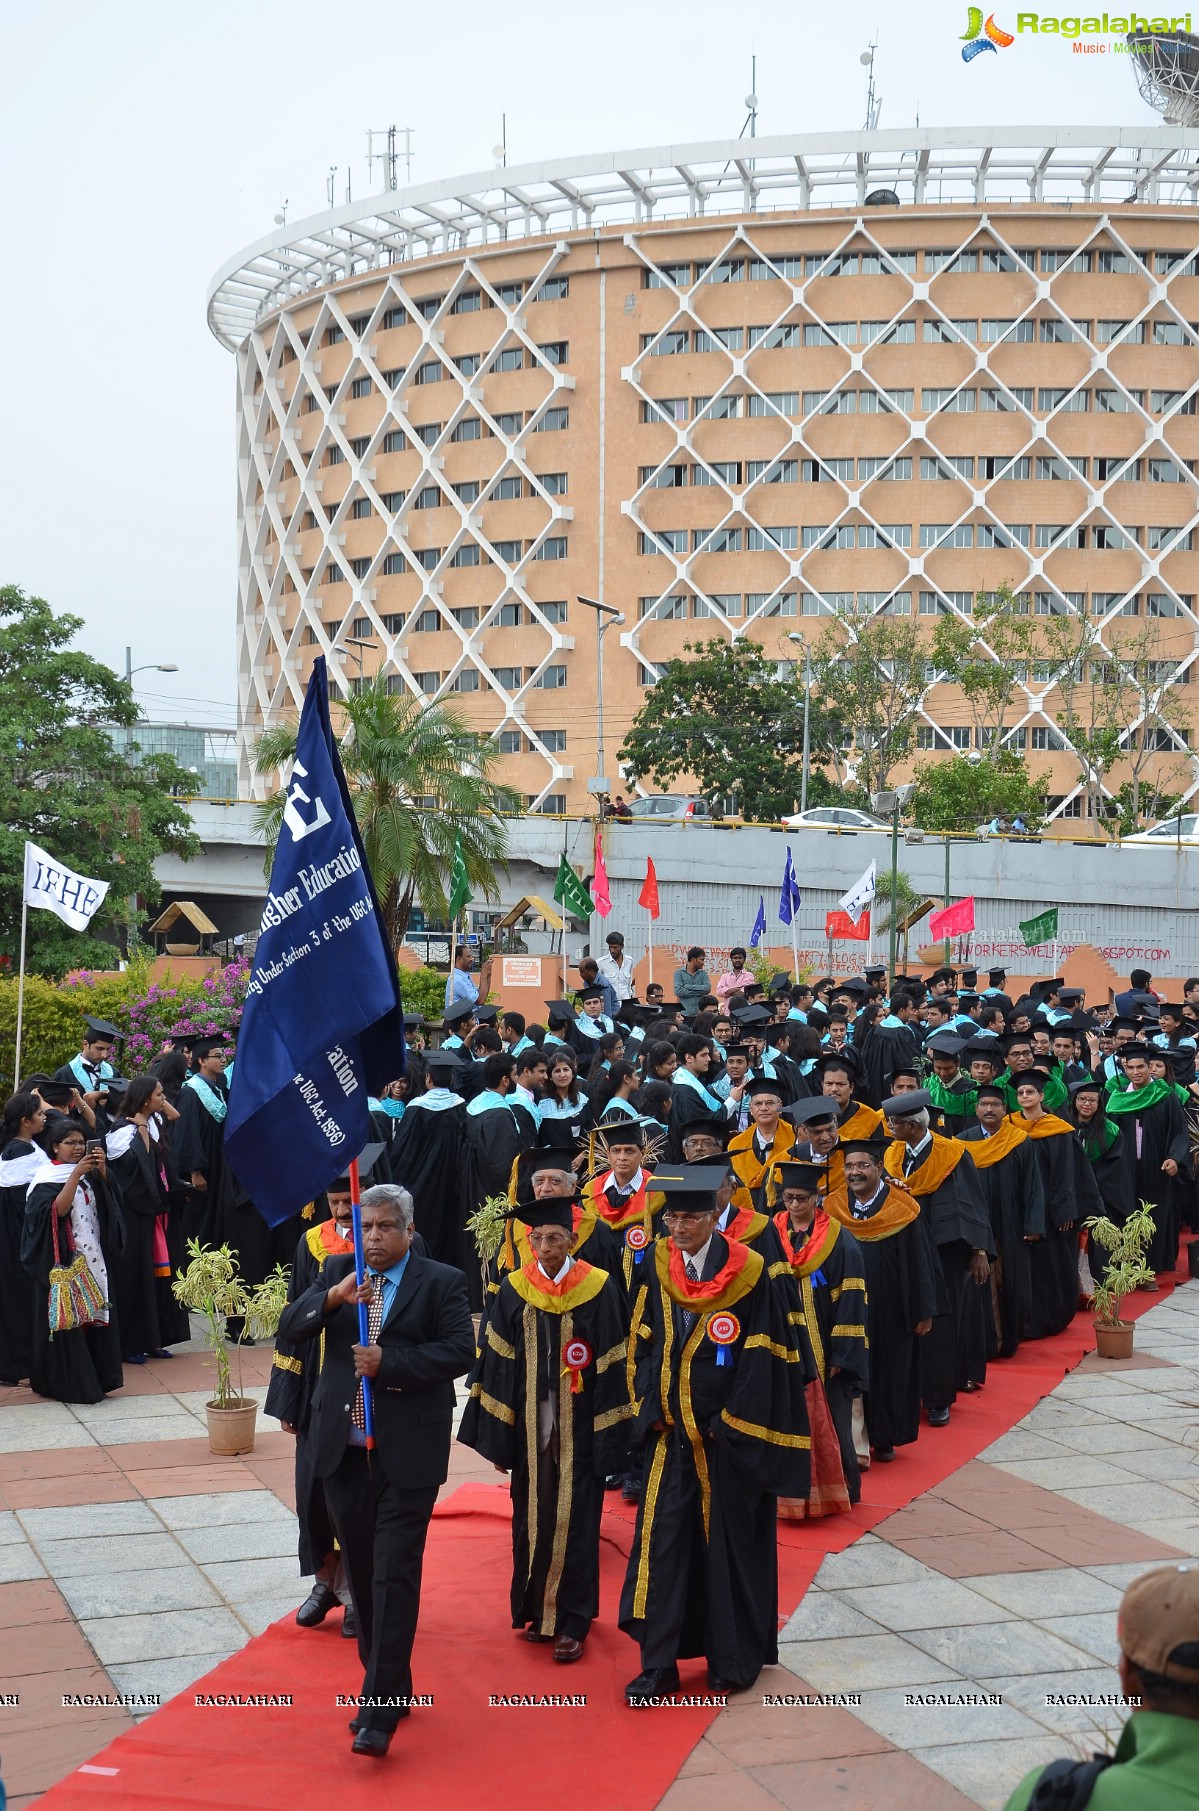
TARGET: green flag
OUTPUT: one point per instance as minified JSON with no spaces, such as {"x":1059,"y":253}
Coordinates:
{"x":570,"y":892}
{"x":1041,"y":929}
{"x":460,"y":893}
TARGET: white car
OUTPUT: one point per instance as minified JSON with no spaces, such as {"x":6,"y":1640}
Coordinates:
{"x":1181,"y":829}
{"x":834,"y":817}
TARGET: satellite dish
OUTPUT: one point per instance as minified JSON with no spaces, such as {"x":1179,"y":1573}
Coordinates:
{"x":751,"y":101}
{"x":280,"y":219}
{"x":866,"y":58}
{"x":1166,"y":67}
{"x":882,"y":198}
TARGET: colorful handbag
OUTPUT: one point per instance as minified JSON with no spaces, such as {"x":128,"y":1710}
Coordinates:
{"x":76,"y":1299}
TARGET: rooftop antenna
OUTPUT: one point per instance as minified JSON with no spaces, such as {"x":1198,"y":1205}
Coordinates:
{"x":329,"y":181}
{"x":500,"y":151}
{"x":281,"y":216}
{"x":874,"y":101}
{"x":751,"y":101}
{"x":390,"y":156}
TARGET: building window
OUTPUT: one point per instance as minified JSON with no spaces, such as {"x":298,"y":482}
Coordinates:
{"x":429,"y":557}
{"x":509,"y":679}
{"x":467,"y":617}
{"x":668,"y":276}
{"x":431,"y":372}
{"x":663,"y":540}
{"x":427,"y":682}
{"x":509,"y":616}
{"x":555,"y":352}
{"x":469,"y":428}
{"x":393,"y":565}
{"x":553,"y":548}
{"x":468,"y":302}
{"x":714,"y":472}
{"x":467,"y":680}
{"x":334,"y":455}
{"x":509,"y":551}
{"x":467,"y":491}
{"x":334,"y":336}
{"x":392,"y":500}
{"x":510,"y":424}
{"x":552,"y":805}
{"x":509,"y":488}
{"x":552,"y":421}
{"x":428,"y":308}
{"x":772,"y":471}
{"x":360,"y":567}
{"x":554,"y":289}
{"x":552,"y":740}
{"x":466,"y":555}
{"x":512,"y":358}
{"x":511,"y":742}
{"x":393,"y":625}
{"x":553,"y":483}
{"x":664,"y":408}
{"x":554,"y":611}
{"x":360,"y":508}
{"x":428,"y":498}
{"x":430,"y":433}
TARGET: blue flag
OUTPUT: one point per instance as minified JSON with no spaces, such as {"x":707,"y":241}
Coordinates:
{"x":789,"y":894}
{"x":322,"y":1026}
{"x":755,"y":936}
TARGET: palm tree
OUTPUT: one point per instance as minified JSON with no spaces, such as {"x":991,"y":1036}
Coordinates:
{"x":907,"y":897}
{"x":420,"y":778}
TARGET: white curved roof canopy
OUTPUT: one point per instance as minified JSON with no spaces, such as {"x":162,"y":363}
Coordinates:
{"x":1055,"y":164}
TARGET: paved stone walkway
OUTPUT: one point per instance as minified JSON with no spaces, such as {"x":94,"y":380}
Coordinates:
{"x":132,"y":1560}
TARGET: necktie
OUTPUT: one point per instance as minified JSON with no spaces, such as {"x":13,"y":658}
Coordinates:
{"x":692,"y":1277}
{"x":374,"y":1321}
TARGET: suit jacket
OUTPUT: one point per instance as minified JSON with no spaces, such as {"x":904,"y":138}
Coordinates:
{"x":427,"y":1340}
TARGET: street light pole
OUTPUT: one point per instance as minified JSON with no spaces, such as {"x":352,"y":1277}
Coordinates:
{"x":605,"y":616}
{"x":891,"y":926}
{"x":802,"y":640}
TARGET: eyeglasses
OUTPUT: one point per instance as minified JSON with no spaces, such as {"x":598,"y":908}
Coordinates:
{"x":684,"y":1215}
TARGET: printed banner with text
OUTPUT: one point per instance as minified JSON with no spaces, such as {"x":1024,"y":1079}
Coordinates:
{"x":322,"y":1026}
{"x":839,"y":927}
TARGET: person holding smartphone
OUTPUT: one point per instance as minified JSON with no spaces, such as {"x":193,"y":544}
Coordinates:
{"x":69,"y":1203}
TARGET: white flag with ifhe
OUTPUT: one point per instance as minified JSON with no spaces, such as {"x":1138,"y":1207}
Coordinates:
{"x":70,"y":896}
{"x":861,"y":895}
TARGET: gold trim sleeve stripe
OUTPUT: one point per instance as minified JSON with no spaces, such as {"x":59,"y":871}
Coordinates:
{"x":769,"y":1434}
{"x":615,"y":1355}
{"x":612,"y":1416}
{"x":500,"y":1410}
{"x":788,"y":1354}
{"x":847,"y":1332}
{"x":499,"y":1345}
{"x":281,"y":1362}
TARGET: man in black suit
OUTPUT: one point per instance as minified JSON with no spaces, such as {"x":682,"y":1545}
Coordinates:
{"x":380,"y":1503}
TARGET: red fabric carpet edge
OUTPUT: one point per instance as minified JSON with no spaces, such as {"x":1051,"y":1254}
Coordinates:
{"x":592,"y":1757}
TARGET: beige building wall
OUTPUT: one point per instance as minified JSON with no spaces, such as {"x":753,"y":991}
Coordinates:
{"x":442,"y":455}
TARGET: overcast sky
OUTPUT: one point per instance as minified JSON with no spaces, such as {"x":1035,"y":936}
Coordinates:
{"x":145,"y":144}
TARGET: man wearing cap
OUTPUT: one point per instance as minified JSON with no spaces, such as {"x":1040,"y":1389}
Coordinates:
{"x":1071,"y":1195}
{"x":381,"y":1502}
{"x":427,"y":1158}
{"x":537,"y":1176}
{"x":1021,"y":1056}
{"x":1011,"y":1182}
{"x":560,"y":1016}
{"x":92,"y":1068}
{"x":1138,"y":1001}
{"x":618,"y":1193}
{"x":591,"y":1023}
{"x":1156,"y":1763}
{"x":617,"y":969}
{"x":826,"y":1269}
{"x":462,"y":1025}
{"x":951,"y":1092}
{"x":939,"y":1173}
{"x":767,"y":1140}
{"x":497,"y":1130}
{"x":1151,"y":1117}
{"x":549,"y":1403}
{"x":901,"y":1296}
{"x":818,"y":1139}
{"x":731,"y":1085}
{"x":721,"y":1421}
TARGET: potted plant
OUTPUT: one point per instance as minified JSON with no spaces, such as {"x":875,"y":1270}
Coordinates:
{"x":212,"y":1286}
{"x":1126,"y":1270}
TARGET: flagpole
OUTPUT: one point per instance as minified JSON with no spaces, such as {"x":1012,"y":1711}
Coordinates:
{"x":794,"y":949}
{"x":368,"y":1405}
{"x":16,"y":1080}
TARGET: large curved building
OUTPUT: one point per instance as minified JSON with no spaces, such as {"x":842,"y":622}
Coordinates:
{"x":735,"y":389}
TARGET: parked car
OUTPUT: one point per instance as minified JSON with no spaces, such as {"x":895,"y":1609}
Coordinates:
{"x":677,"y":807}
{"x":835,"y":817}
{"x":1181,"y":829}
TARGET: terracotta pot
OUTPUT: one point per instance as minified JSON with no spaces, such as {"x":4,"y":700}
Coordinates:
{"x":231,"y":1430}
{"x":183,"y":949}
{"x":1114,"y":1341}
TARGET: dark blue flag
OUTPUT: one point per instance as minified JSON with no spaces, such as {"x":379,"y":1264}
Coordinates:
{"x":755,"y":936}
{"x":789,"y":894}
{"x":322,"y":1026}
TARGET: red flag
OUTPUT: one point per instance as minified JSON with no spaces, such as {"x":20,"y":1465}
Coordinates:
{"x":839,"y":926}
{"x":953,"y":921}
{"x":648,"y":896}
{"x":601,"y":899}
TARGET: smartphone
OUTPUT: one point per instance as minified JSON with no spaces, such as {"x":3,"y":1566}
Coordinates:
{"x":94,"y":1144}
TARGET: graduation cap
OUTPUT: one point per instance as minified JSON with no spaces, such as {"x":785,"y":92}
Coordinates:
{"x":750,"y":1016}
{"x":560,"y":1011}
{"x":711,"y":1128}
{"x":1068,"y":994}
{"x":989,"y":1089}
{"x":751,"y":988}
{"x":1036,"y":1078}
{"x":1088,"y":1084}
{"x":592,"y":991}
{"x":1052,"y":986}
{"x":487,"y":1015}
{"x":1137,"y":1049}
{"x":765,"y":1084}
{"x":778,"y":982}
{"x":462,"y":1009}
{"x":943,"y":974}
{"x":1166,"y":1006}
{"x":551,"y":1210}
{"x":970,"y":978}
{"x":775,"y":1034}
{"x":182,"y":1040}
{"x":812,"y":1109}
{"x":100,"y":1028}
{"x":1012,"y":1038}
{"x":55,"y":1094}
{"x":874,"y":1148}
{"x":737,"y":1050}
{"x":202,"y":1047}
{"x":412,"y":1021}
{"x":690,"y":1188}
{"x":945,"y":1043}
{"x":853,"y":987}
{"x":623,"y":1131}
{"x":906,"y":1106}
{"x":984,"y":1050}
{"x":968,"y":999}
{"x":442,"y":1066}
{"x":847,"y":1059}
{"x":558,"y":1134}
{"x":805,"y":1176}
{"x":718,"y":1161}
{"x":997,"y":976}
{"x":1123,"y":1024}
{"x":369,"y":1157}
{"x":874,"y":968}
{"x":912,"y":1069}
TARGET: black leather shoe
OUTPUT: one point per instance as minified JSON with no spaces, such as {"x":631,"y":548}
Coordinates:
{"x":884,"y":1454}
{"x":374,"y":1742}
{"x":938,"y":1417}
{"x":654,"y":1682}
{"x":317,"y":1605}
{"x":349,"y":1623}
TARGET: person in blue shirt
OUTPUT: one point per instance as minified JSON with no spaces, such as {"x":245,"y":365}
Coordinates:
{"x":458,"y":986}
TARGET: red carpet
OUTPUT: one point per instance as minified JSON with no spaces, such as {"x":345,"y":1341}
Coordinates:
{"x":592,"y":1758}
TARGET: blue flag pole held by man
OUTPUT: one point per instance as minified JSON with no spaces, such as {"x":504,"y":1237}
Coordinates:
{"x":322,"y":1027}
{"x":755,"y":936}
{"x":790,"y":900}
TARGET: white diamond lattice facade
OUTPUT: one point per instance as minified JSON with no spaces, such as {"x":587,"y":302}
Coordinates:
{"x":729,"y":390}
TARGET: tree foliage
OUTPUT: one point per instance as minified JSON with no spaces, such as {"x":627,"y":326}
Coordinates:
{"x":65,"y":786}
{"x":420,"y":778}
{"x":956,"y":793}
{"x":869,"y":679}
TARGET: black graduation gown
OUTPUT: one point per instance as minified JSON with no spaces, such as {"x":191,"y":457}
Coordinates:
{"x":831,"y":1288}
{"x":84,"y":1365}
{"x":956,"y":1123}
{"x":198,"y":1141}
{"x":1115,"y":1177}
{"x":557,"y":1488}
{"x":18,"y":1293}
{"x":1163,"y":1133}
{"x":1071,"y":1195}
{"x":1016,"y":1203}
{"x":687,"y":1105}
{"x":148,"y":1315}
{"x":954,"y":1353}
{"x":295,"y":1372}
{"x":703,"y":1572}
{"x":901,"y":1291}
{"x":888,"y":1048}
{"x":493,"y":1140}
{"x":427,"y":1160}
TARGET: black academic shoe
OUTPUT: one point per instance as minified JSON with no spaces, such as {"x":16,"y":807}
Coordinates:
{"x":349,"y":1623}
{"x":716,"y":1683}
{"x":134,"y":1358}
{"x":631,"y":1491}
{"x":566,"y":1649}
{"x":534,"y":1634}
{"x":356,"y":1724}
{"x":317,"y":1605}
{"x":884,"y":1454}
{"x":374,"y":1742}
{"x":654,"y":1682}
{"x":938,"y":1417}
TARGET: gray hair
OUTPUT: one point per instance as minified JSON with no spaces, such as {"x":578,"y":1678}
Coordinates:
{"x":920,"y":1117}
{"x":390,"y":1194}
